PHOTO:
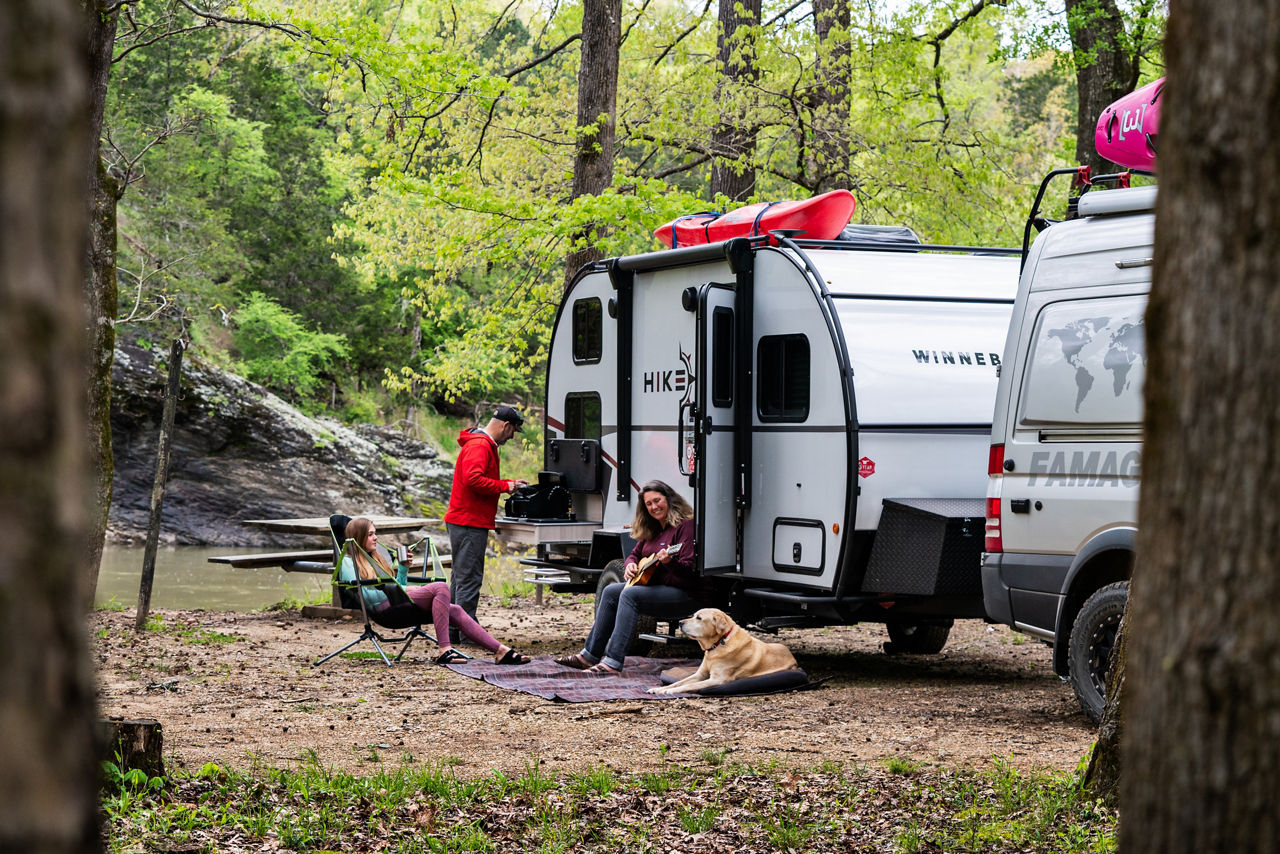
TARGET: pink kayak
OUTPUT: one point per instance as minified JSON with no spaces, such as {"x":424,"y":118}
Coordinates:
{"x":1127,"y":130}
{"x":819,"y":218}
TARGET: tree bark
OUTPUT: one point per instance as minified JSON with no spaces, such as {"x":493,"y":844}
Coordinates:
{"x":100,"y":286}
{"x":1102,"y":776}
{"x":597,"y":107}
{"x":1105,"y":70}
{"x":830,"y":168}
{"x":1202,"y":738}
{"x":733,"y":141}
{"x":48,"y":791}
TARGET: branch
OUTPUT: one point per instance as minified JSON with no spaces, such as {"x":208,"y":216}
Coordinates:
{"x":666,"y":50}
{"x":940,"y":37}
{"x":623,"y":39}
{"x":131,"y":48}
{"x":783,"y":14}
{"x":290,"y":30}
{"x":538,"y":60}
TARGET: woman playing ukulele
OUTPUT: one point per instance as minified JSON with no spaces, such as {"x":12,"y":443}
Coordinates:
{"x":663,"y":529}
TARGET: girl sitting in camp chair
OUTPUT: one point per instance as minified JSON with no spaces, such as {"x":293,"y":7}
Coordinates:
{"x":359,"y":555}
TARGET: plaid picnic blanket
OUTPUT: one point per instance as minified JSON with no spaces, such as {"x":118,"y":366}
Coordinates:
{"x":542,"y":677}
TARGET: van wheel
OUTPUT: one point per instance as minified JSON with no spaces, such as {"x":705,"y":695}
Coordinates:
{"x":1093,"y":636}
{"x":612,"y":574}
{"x":918,"y":639}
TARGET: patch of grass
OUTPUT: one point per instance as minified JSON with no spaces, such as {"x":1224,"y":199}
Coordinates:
{"x":431,"y":808}
{"x":206,"y":636}
{"x":600,"y":780}
{"x":902,"y":767}
{"x":714,"y":758}
{"x":112,"y":604}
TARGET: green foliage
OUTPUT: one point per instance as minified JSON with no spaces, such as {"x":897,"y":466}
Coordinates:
{"x":431,"y":808}
{"x":278,"y":351}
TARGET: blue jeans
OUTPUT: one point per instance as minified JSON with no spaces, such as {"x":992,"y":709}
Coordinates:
{"x":617,"y":612}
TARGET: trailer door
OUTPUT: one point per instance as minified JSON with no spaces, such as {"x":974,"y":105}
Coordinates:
{"x":715,"y":508}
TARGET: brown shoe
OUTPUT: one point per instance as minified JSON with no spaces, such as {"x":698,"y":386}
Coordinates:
{"x":576,"y":661}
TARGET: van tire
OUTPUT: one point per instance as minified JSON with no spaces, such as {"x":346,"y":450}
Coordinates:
{"x":917,"y":638}
{"x":612,"y":574}
{"x":1093,"y":636}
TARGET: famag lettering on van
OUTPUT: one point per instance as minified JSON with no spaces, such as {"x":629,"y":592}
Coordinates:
{"x":1081,"y":468}
{"x":955,"y":357}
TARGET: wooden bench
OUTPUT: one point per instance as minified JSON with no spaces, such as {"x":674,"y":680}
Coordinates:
{"x":312,"y":560}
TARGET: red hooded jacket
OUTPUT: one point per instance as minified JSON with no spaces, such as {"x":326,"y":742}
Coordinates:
{"x":473,"y":500}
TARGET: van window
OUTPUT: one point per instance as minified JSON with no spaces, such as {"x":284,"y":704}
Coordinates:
{"x":722,"y":356}
{"x":1087,"y":363}
{"x":582,"y":415}
{"x":588,"y":330}
{"x":782,"y":365}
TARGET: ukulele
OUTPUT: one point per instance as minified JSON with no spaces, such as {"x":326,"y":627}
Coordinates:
{"x":649,"y":564}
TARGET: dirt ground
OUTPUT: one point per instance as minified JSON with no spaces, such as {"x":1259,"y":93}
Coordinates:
{"x":238,"y":688}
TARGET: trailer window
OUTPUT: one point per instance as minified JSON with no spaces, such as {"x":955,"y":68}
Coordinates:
{"x":588,"y":330}
{"x":782,"y":365}
{"x":722,"y":355}
{"x":582,"y":416}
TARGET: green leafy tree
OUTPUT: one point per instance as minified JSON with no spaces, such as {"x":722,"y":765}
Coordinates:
{"x":277,"y":350}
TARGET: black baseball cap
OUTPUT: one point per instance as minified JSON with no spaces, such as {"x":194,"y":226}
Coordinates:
{"x":511,"y":416}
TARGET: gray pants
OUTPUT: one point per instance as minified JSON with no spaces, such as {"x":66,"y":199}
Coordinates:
{"x":467,"y":544}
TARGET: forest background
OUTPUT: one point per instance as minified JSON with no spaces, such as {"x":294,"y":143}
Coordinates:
{"x":371,"y":206}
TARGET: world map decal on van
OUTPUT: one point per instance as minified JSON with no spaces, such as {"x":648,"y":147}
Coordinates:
{"x":1072,"y":352}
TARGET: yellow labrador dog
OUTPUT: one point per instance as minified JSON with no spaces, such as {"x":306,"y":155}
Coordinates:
{"x":729,"y":653}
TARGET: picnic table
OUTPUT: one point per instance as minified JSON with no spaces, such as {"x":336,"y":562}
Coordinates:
{"x":317,"y":560}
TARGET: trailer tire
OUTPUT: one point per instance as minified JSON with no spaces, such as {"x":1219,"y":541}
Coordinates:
{"x":611,"y":574}
{"x":917,"y":638}
{"x":1093,"y":636}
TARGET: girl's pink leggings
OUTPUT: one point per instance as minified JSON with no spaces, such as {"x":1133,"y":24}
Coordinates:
{"x":434,"y":597}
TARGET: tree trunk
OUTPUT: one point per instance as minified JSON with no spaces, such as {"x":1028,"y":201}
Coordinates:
{"x":48,"y":791}
{"x":597,"y":105}
{"x":830,"y":168}
{"x":1202,"y":732}
{"x":1102,"y":776}
{"x":1105,"y":70}
{"x":732,"y":141}
{"x":133,"y":744}
{"x":100,"y":287}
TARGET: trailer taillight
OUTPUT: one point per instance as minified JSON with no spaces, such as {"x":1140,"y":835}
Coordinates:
{"x":995,"y":460}
{"x":993,"y":541}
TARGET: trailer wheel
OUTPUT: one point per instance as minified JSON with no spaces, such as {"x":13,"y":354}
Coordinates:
{"x":919,"y":639}
{"x":612,"y":574}
{"x":1093,"y":636}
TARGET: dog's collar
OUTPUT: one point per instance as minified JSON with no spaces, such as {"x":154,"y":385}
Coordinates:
{"x":726,"y":636}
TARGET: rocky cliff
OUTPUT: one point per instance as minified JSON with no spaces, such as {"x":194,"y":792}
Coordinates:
{"x":240,"y":452}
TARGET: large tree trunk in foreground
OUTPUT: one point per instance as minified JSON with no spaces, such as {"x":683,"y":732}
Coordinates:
{"x":1202,"y":712}
{"x":48,"y":779}
{"x":733,"y":141}
{"x":100,"y":287}
{"x":597,"y":105}
{"x":1105,"y":70}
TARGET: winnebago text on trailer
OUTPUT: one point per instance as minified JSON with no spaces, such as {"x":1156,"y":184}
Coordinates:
{"x":825,"y":405}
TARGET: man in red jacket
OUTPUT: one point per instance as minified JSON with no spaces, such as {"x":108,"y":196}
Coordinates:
{"x":473,"y":501}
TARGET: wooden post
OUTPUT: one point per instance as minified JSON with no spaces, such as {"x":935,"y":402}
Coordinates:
{"x":157,"y":489}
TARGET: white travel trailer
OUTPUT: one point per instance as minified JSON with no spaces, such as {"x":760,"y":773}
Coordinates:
{"x":824,"y":405}
{"x":1066,"y":442}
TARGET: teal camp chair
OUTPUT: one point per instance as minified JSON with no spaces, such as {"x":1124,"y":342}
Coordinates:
{"x":402,"y":612}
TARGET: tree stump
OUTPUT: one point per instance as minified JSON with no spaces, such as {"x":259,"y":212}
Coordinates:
{"x":133,"y":744}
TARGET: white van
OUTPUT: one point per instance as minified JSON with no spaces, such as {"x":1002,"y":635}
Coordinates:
{"x":824,"y":405}
{"x":1066,"y":440}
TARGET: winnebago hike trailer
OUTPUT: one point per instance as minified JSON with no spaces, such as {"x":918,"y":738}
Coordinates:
{"x":825,"y":405}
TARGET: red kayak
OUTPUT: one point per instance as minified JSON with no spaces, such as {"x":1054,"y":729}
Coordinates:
{"x":819,"y":218}
{"x":1127,"y":130}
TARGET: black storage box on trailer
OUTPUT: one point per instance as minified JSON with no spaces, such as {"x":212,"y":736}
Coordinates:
{"x":577,"y":461}
{"x":928,"y":547}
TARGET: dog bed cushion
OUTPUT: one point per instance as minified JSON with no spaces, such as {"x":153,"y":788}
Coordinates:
{"x":768,"y":683}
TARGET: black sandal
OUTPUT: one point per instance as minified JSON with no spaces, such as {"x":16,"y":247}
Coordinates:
{"x":513,"y":657}
{"x":451,"y":656}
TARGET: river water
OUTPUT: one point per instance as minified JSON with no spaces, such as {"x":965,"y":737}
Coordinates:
{"x":184,"y":578}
